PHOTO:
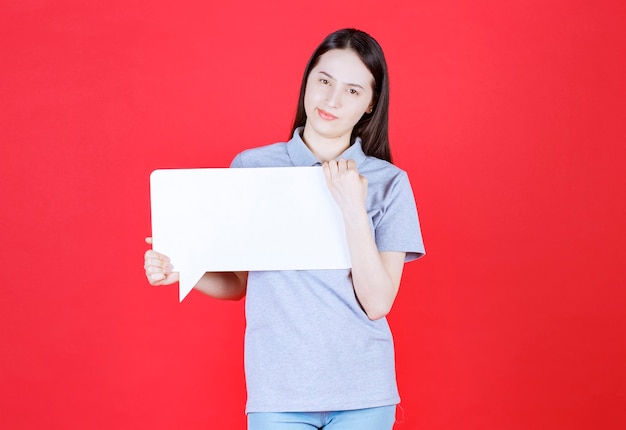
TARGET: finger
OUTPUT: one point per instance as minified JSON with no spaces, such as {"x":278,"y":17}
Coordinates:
{"x":158,"y":265}
{"x":150,"y":254}
{"x":154,"y":274}
{"x":346,"y":166}
{"x":155,"y":278}
{"x":155,"y":261}
{"x":149,"y":240}
{"x":160,"y":279}
{"x":336,"y":167}
{"x":331,"y":169}
{"x":326,"y":170}
{"x":155,"y":268}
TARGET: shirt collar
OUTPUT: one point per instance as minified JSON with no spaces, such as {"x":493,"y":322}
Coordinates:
{"x":301,"y":155}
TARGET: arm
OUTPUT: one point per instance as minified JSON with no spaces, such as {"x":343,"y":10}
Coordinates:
{"x":219,"y":285}
{"x":223,"y":285}
{"x":375,"y":275}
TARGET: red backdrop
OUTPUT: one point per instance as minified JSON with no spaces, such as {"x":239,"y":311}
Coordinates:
{"x":509,"y":116}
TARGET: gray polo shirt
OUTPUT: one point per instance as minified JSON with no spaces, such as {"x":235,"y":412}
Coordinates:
{"x":308,"y":344}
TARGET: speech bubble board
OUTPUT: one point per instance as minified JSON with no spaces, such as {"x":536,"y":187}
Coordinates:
{"x":245,"y":219}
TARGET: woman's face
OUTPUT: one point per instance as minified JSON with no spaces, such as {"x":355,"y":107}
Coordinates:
{"x":339,"y":90}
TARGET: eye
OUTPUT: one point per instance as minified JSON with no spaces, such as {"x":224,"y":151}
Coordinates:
{"x":324,"y":81}
{"x":353,"y":91}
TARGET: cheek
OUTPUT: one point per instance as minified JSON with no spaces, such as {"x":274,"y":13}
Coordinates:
{"x":307,"y":102}
{"x":358,"y":109}
{"x":311,"y":99}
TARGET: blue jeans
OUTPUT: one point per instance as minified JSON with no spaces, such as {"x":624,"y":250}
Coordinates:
{"x":381,"y":418}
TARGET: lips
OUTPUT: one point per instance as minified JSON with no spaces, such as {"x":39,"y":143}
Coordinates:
{"x":326,"y":115}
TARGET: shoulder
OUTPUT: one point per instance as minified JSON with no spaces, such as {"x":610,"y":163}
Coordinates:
{"x":272,"y":155}
{"x":381,"y":171}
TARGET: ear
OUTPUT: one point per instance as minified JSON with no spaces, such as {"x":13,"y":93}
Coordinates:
{"x":370,"y":108}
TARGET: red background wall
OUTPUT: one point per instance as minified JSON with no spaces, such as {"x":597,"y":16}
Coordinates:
{"x":510,"y":117}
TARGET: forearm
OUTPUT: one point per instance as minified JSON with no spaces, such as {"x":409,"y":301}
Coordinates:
{"x":223,"y":285}
{"x":375,"y":277}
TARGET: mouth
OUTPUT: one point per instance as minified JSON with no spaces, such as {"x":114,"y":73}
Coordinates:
{"x":326,"y":115}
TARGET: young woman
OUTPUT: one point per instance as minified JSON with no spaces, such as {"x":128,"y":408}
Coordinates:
{"x":318,"y":349}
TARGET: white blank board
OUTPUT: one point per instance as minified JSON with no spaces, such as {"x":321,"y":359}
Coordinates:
{"x":218,"y":220}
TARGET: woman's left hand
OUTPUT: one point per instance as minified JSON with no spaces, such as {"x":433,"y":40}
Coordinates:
{"x":346,"y":185}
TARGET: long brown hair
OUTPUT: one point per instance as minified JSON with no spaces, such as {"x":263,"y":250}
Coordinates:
{"x":372,"y":128}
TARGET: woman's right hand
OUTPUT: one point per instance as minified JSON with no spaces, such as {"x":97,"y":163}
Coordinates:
{"x":159,"y":269}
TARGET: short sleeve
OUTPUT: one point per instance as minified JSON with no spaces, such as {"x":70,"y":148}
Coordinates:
{"x":398,"y":228}
{"x":237,"y":162}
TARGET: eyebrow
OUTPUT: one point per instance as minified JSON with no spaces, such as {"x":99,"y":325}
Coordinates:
{"x":334,"y":79}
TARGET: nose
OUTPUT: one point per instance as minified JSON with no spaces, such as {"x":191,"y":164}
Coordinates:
{"x":333,"y":96}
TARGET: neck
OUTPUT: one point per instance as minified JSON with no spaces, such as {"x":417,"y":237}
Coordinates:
{"x":325,"y":148}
